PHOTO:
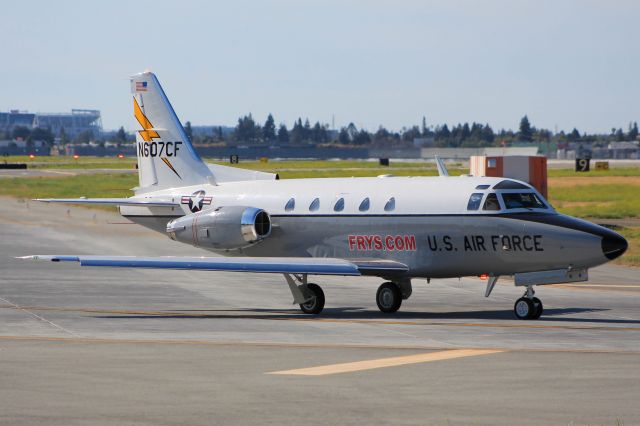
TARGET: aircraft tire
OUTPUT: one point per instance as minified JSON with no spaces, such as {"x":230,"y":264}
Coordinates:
{"x":537,"y":303}
{"x":388,"y":298}
{"x":315,"y":305}
{"x":524,"y":308}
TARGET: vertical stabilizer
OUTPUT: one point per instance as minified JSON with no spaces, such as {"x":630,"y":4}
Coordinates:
{"x":166,"y":158}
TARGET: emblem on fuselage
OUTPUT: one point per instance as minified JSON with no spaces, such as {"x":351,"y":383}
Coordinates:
{"x":196,"y":201}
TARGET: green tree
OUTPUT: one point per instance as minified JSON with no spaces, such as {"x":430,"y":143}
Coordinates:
{"x":269,"y":129}
{"x":381,"y":134}
{"x":352,"y":131}
{"x":343,"y":136}
{"x":297,"y":132}
{"x":487,"y":134}
{"x":525,"y":133}
{"x":410,"y":134}
{"x":188,"y":130}
{"x":246,"y":130}
{"x":306,"y":131}
{"x":283,"y":134}
{"x":543,"y":135}
{"x":362,"y":138}
{"x":319,"y":133}
{"x":121,"y":135}
{"x":574,"y":135}
{"x":465,"y":133}
{"x":443,"y":133}
{"x":633,"y":131}
{"x":219,"y":134}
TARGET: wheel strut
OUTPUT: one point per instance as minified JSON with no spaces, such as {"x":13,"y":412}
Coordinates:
{"x":309,"y":296}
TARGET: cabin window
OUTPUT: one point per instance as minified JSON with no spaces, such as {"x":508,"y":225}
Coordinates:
{"x":315,"y":205}
{"x":522,"y":200}
{"x":491,"y":203}
{"x":482,"y":186}
{"x":291,"y":204}
{"x":364,"y":205}
{"x":474,"y":201}
{"x":510,"y":184}
{"x":391,"y":205}
{"x":339,"y":206}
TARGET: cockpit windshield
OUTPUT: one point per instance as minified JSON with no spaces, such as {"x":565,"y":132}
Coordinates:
{"x":491,"y":203}
{"x":522,"y":200}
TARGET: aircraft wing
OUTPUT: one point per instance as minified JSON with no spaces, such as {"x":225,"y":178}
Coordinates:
{"x":286,"y":265}
{"x":145,"y":202}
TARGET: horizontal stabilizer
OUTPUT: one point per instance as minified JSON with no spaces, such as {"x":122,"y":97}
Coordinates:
{"x":145,"y":202}
{"x":223,"y":174}
{"x":282,"y":265}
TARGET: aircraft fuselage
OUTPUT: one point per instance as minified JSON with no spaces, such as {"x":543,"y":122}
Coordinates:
{"x":435,"y":235}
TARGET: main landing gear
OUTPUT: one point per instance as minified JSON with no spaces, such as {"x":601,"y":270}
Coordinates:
{"x":316,"y":303}
{"x":389,"y":298}
{"x":390,"y":295}
{"x":528,"y":306}
{"x":310,"y":296}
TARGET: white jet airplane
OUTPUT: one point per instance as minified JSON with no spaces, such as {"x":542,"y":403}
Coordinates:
{"x":395,"y":228}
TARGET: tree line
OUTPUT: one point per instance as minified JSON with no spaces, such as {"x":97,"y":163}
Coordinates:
{"x":249,"y":131}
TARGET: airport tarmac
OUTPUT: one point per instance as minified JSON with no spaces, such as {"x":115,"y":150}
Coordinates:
{"x":115,"y":346}
{"x":11,"y":173}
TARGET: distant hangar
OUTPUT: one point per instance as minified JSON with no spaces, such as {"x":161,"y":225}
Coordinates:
{"x":74,"y":123}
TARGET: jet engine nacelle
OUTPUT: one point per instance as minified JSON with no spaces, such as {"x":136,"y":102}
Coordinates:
{"x":225,"y":228}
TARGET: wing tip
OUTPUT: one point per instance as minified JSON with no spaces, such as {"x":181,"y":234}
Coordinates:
{"x":51,"y":258}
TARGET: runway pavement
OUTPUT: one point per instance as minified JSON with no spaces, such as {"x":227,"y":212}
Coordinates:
{"x":9,"y":173}
{"x":82,"y":345}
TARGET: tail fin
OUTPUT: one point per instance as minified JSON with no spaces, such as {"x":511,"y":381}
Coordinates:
{"x":166,"y":157}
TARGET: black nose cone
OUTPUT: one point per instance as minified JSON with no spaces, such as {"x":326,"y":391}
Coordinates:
{"x":613,"y":245}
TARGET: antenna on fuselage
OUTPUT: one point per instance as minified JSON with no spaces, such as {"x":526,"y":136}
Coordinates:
{"x":442,"y":169}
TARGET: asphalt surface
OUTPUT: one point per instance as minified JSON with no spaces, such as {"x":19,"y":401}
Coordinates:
{"x":106,"y":346}
{"x":10,"y":173}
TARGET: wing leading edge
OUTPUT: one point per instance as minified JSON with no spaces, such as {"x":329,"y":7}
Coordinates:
{"x":287,"y":265}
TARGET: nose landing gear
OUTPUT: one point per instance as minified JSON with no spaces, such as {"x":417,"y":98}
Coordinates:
{"x":528,"y":306}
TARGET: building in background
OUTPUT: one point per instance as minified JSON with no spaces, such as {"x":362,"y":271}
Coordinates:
{"x":74,"y":123}
{"x":14,"y":118}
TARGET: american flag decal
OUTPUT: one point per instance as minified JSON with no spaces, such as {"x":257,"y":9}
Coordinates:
{"x":141,"y":86}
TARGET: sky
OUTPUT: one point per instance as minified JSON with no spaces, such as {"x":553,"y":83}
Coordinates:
{"x":563,"y":63}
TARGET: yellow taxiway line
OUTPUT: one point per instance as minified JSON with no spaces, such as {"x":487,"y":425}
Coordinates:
{"x":350,"y":367}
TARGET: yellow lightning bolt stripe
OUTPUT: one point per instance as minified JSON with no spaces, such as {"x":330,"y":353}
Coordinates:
{"x":168,"y":163}
{"x":147,"y":133}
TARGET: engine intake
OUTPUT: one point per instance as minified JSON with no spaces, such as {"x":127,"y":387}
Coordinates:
{"x":226,"y":228}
